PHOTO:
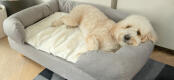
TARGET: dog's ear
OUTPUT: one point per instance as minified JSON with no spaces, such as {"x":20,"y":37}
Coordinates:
{"x":150,"y":36}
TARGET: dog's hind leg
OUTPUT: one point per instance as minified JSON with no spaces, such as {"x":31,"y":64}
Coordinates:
{"x":92,"y":42}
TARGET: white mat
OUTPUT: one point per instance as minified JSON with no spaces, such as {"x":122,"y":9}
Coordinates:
{"x":59,"y":41}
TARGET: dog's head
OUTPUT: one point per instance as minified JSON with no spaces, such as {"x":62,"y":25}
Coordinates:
{"x":134,"y":30}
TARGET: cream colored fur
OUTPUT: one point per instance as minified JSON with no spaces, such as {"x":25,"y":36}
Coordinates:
{"x":138,"y":27}
{"x":101,"y":33}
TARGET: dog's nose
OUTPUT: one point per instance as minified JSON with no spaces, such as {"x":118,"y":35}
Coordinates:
{"x":127,"y":37}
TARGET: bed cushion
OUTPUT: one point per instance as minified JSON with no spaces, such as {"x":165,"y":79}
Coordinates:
{"x":67,"y":43}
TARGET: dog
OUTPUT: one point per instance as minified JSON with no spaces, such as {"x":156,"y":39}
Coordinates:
{"x":102,"y":33}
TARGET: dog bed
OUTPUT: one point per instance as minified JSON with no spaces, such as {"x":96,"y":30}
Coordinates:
{"x":59,"y":41}
{"x":92,"y":65}
{"x":152,"y":70}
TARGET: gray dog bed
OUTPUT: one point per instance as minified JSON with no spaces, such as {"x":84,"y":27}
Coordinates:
{"x":93,"y":65}
{"x":152,"y":70}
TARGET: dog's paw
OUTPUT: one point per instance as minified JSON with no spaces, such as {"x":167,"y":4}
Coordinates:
{"x":56,"y":23}
{"x":53,"y":24}
{"x":69,"y":27}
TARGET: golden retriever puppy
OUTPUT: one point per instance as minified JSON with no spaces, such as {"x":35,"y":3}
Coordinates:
{"x":102,"y":33}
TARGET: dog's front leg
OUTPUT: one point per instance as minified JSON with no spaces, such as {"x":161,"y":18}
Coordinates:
{"x":92,"y":42}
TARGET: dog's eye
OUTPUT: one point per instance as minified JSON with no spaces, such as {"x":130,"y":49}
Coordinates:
{"x":138,"y":32}
{"x":128,"y":26}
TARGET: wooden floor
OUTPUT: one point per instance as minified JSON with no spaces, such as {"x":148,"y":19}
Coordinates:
{"x":15,"y":67}
{"x":163,"y":55}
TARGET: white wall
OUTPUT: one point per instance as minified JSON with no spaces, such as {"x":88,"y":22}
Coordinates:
{"x":3,"y":15}
{"x":161,"y":14}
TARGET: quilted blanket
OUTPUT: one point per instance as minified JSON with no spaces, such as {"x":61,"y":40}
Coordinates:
{"x":67,"y":43}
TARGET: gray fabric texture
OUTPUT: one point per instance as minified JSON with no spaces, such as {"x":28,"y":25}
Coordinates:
{"x":125,"y":63}
{"x":14,"y":29}
{"x":122,"y":65}
{"x":14,"y":25}
{"x":152,"y":70}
